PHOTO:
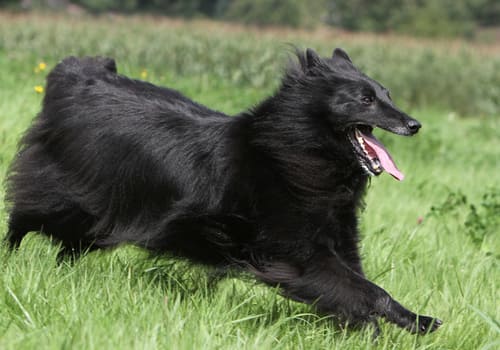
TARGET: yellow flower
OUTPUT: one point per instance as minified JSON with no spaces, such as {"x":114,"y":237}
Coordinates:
{"x":144,"y":74}
{"x":40,"y":67}
{"x":39,"y":89}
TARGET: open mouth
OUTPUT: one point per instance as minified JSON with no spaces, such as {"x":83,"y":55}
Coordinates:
{"x":372,"y":155}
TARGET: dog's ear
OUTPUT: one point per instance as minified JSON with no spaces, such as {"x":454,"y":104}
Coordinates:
{"x":338,"y":53}
{"x":312,"y":59}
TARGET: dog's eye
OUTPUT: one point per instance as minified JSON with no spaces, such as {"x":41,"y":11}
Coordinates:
{"x":367,"y":99}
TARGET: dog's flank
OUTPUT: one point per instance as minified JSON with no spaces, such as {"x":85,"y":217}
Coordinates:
{"x":112,"y":160}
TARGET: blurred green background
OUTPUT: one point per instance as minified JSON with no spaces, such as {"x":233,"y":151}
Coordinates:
{"x":466,"y":18}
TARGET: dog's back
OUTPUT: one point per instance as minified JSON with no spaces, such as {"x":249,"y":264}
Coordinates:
{"x":101,"y":138}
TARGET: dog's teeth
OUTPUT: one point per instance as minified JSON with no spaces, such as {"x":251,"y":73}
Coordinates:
{"x":362,"y":144}
{"x":375,"y":163}
{"x":360,"y":140}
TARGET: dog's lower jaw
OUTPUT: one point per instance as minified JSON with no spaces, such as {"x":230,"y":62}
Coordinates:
{"x":367,"y":170}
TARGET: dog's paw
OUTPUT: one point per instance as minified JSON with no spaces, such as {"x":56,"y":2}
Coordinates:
{"x":425,"y":324}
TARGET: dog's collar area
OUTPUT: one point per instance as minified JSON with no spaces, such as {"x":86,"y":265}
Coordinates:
{"x":371,"y":154}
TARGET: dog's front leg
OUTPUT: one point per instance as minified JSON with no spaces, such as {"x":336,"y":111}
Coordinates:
{"x":335,"y":289}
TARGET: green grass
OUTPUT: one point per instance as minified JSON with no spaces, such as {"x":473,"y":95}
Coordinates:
{"x":432,"y":241}
{"x":452,"y":75}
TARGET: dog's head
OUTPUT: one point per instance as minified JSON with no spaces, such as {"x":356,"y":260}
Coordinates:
{"x":354,"y":104}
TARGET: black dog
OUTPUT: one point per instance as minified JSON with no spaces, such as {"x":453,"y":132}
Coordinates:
{"x":111,"y":160}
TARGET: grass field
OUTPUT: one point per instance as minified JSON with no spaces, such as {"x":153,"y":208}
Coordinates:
{"x":432,"y":241}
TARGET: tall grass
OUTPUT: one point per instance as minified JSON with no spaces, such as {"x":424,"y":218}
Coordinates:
{"x":432,"y":241}
{"x":454,"y":77}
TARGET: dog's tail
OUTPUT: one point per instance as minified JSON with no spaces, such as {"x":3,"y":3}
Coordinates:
{"x":84,"y":66}
{"x":74,"y":71}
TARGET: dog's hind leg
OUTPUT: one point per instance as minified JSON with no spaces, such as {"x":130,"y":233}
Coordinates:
{"x":14,"y":237}
{"x":72,"y":228}
{"x":18,"y":227}
{"x":69,"y":226}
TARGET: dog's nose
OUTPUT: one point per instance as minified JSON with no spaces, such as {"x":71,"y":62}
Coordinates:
{"x":413,"y":125}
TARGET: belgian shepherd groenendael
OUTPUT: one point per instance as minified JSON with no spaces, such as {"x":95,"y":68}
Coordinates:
{"x":275,"y":190}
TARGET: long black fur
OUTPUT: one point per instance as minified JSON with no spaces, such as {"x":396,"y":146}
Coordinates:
{"x":111,"y":160}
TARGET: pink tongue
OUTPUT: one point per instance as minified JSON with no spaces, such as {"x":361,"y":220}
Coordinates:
{"x":383,"y":156}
